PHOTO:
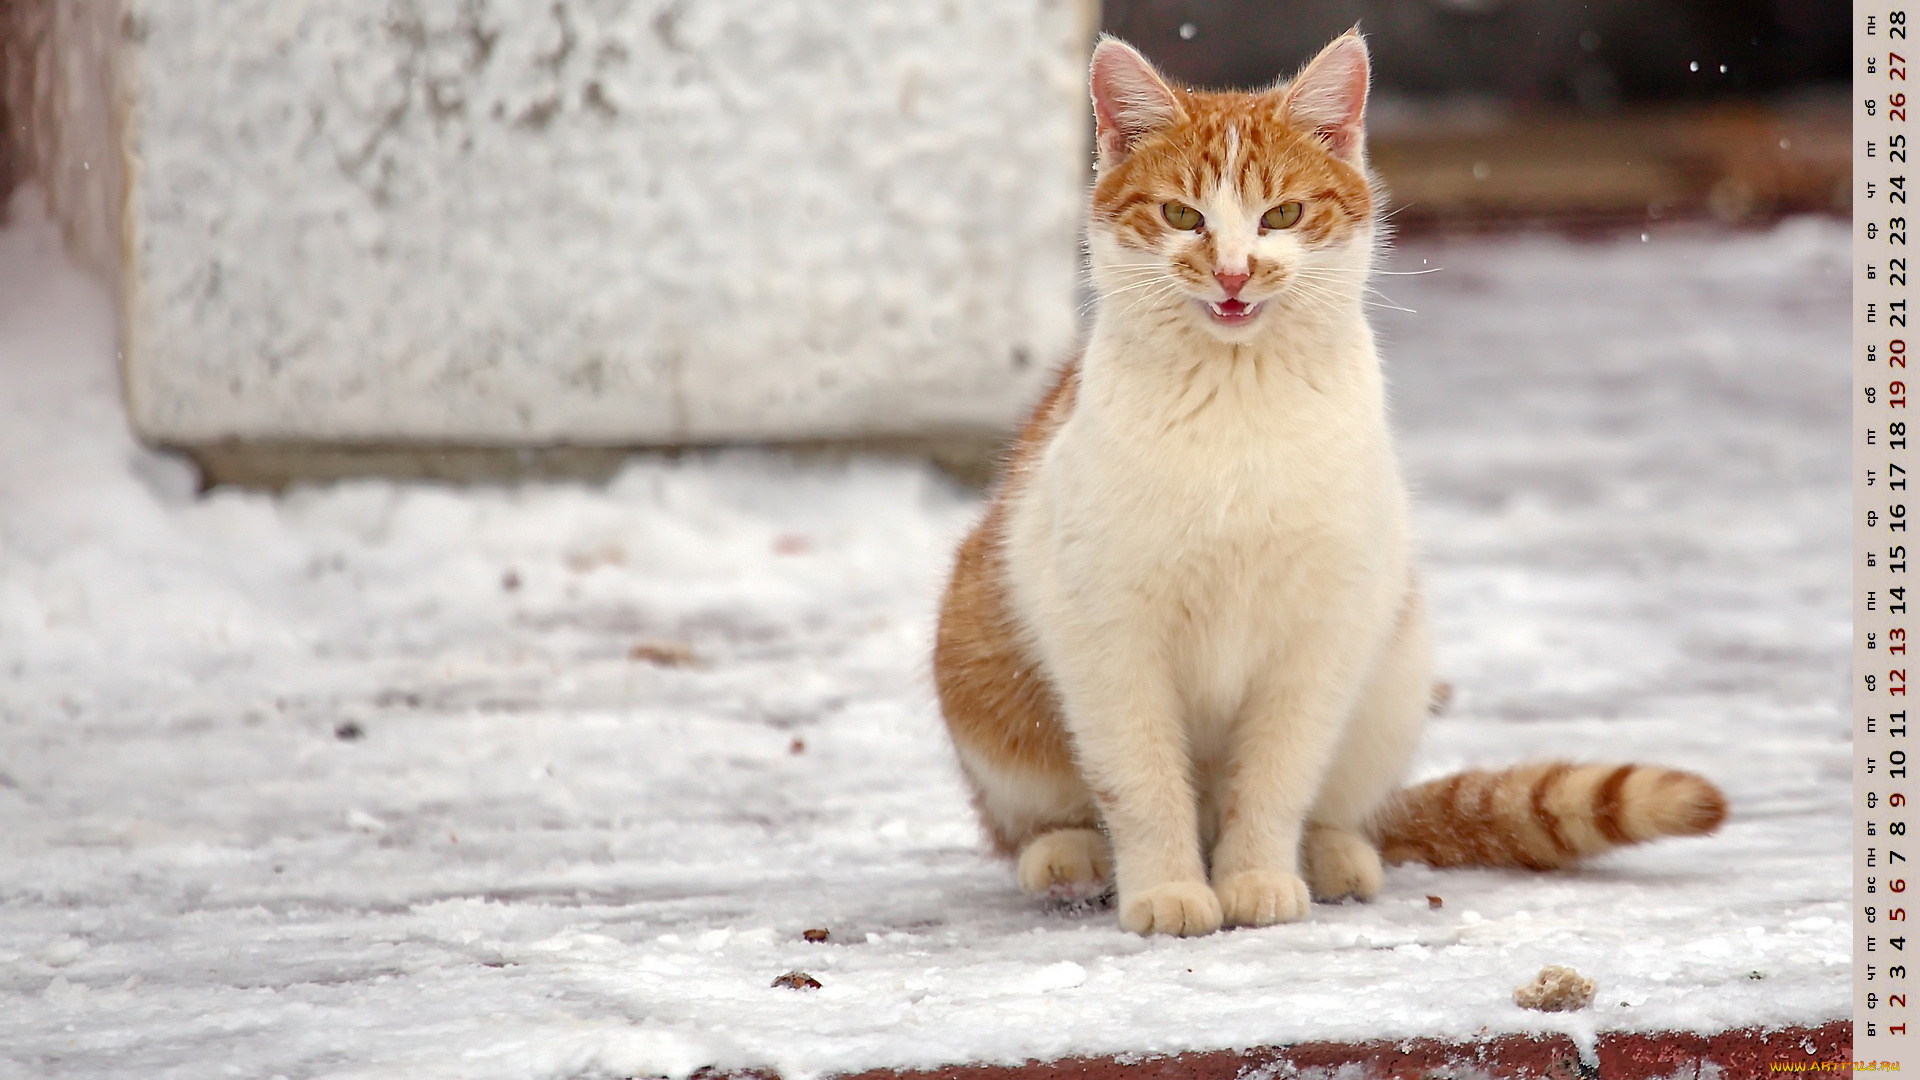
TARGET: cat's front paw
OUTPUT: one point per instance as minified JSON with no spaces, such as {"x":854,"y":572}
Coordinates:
{"x":1180,"y":907}
{"x":1065,"y":864}
{"x":1261,"y":898}
{"x":1341,"y":864}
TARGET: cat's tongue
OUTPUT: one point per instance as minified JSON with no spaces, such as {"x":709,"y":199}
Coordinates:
{"x":1232,"y":311}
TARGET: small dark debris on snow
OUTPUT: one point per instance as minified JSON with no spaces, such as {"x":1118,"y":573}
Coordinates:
{"x":349,"y":732}
{"x":663,"y":653}
{"x":510,"y":581}
{"x":797,"y":746}
{"x":815,"y":936}
{"x":1755,"y":975}
{"x":583,"y":562}
{"x":1082,"y":906}
{"x":1435,"y":903}
{"x":797,"y":980}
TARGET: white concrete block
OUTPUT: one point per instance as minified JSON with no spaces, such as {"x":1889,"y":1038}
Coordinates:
{"x":517,"y":222}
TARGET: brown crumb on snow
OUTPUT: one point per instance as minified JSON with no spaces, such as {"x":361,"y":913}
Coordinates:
{"x":1434,"y":903}
{"x":815,"y":936}
{"x":584,"y":562}
{"x":663,"y":653}
{"x":797,"y":980}
{"x":1555,"y":989}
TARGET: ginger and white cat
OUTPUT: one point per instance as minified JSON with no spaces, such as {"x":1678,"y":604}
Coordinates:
{"x":1185,"y":650}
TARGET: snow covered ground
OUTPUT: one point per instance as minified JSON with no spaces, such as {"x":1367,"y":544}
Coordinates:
{"x":401,"y":780}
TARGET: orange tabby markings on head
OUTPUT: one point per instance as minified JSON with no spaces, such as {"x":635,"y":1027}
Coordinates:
{"x":1184,"y":648}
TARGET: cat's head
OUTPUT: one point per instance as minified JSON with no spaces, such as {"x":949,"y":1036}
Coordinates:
{"x":1230,"y":213}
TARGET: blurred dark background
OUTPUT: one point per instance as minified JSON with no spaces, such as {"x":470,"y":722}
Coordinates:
{"x":1607,"y":114}
{"x":1597,"y":55}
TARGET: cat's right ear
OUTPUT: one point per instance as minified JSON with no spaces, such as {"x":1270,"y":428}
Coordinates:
{"x":1130,"y":100}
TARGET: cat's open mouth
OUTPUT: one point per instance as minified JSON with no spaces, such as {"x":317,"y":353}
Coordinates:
{"x":1232,"y":312}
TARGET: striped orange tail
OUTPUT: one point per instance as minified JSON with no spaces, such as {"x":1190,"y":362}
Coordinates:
{"x":1544,"y":815}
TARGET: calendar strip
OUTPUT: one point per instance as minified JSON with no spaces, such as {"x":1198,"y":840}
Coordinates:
{"x":1884,"y":875}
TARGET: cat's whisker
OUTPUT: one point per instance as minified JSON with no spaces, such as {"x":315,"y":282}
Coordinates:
{"x":1390,"y":307}
{"x":1362,"y":272}
{"x":1390,"y":301}
{"x":1170,"y":288}
{"x":1134,"y":280}
{"x":1123,"y":268}
{"x":1331,"y":291}
{"x":1323,"y":300}
{"x":1320,"y":278}
{"x":1153,"y":297}
{"x":1333,"y":273}
{"x":1152,"y":286}
{"x":1129,"y":293}
{"x":1129,"y":286}
{"x":1143,"y":282}
{"x":1313,"y":304}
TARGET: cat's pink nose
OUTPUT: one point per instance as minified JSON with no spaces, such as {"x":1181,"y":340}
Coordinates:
{"x":1231,"y":282}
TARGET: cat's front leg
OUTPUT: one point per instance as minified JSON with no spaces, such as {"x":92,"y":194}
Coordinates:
{"x":1380,"y":737}
{"x":1132,"y":748}
{"x":1280,"y":750}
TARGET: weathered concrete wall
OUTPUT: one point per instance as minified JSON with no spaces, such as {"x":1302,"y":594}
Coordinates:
{"x":526,"y":222}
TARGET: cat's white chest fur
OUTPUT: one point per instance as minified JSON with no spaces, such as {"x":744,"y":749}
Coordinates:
{"x":1212,"y":518}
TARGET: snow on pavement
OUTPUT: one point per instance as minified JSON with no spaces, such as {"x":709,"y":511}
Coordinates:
{"x":403,"y":780}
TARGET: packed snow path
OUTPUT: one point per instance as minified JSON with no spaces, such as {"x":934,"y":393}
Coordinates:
{"x":402,"y":780}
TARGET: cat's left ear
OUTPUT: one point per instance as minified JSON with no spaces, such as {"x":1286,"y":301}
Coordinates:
{"x":1329,"y":97}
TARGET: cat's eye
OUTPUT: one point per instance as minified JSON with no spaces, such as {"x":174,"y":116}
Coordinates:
{"x":1281,"y":217}
{"x":1182,"y":216}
